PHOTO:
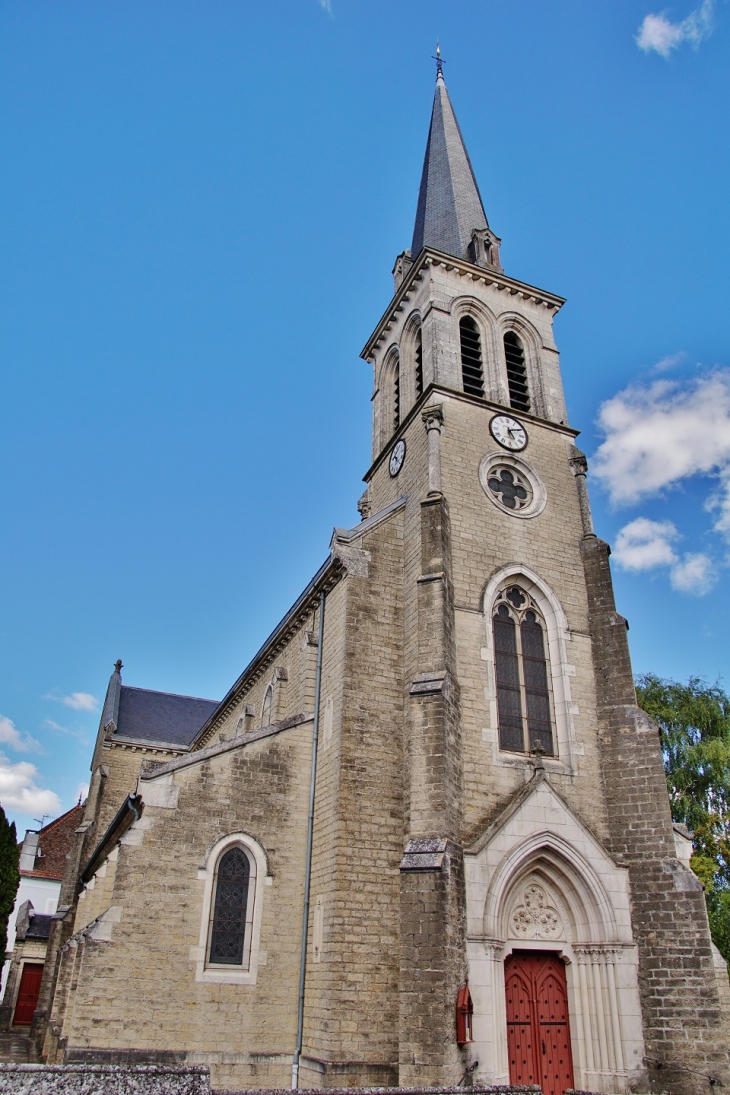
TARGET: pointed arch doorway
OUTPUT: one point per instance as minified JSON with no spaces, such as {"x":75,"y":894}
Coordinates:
{"x":538,"y":1026}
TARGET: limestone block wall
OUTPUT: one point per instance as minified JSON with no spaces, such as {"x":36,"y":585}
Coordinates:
{"x":149,"y":949}
{"x":351,"y":1027}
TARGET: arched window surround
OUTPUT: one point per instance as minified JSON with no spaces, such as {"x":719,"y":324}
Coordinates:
{"x":412,"y":329}
{"x":390,"y":368}
{"x":558,"y":636}
{"x":258,"y":878}
{"x":531,"y":344}
{"x":267,"y":706}
{"x":495,"y":376}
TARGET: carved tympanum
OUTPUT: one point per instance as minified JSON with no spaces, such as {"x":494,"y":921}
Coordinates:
{"x":534,"y":917}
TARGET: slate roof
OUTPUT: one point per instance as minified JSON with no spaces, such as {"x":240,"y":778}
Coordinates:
{"x":39,"y":926}
{"x":449,"y":204}
{"x":160,"y":716}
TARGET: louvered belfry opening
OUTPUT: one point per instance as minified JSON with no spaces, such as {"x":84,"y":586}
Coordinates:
{"x":419,"y":364}
{"x":519,"y":394}
{"x":472,"y":372}
{"x":396,"y":394}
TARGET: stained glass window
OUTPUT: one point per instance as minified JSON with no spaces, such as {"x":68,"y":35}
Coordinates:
{"x":523,"y":681}
{"x":228,"y":929}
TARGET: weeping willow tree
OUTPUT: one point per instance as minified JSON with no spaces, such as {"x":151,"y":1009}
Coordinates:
{"x":694,"y":722}
{"x":9,"y":875}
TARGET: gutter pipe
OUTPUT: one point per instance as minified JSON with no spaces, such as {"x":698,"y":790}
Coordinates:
{"x":308,"y":860}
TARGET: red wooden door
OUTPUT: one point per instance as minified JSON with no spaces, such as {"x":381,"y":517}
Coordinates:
{"x":538,"y":1030}
{"x":30,"y":986}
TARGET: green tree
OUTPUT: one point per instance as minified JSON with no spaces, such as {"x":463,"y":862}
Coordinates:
{"x":694,"y":721}
{"x":9,"y":875}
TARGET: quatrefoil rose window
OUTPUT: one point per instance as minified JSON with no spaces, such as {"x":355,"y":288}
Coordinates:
{"x":512,"y":485}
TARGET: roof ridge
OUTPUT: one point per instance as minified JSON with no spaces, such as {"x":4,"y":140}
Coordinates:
{"x":159,"y":692}
{"x":57,"y":820}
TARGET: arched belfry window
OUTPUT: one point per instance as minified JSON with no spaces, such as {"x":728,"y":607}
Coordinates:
{"x":519,"y":394}
{"x":232,"y":909}
{"x":396,"y":393}
{"x":522,"y":673}
{"x":419,"y":364}
{"x":472,"y":371}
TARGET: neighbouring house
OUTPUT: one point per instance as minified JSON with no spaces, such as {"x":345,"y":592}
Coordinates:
{"x":42,"y":862}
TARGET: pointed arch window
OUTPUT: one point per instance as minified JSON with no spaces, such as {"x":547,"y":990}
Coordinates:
{"x":472,"y":370}
{"x":396,"y":393}
{"x":232,"y":909}
{"x":524,"y":705}
{"x":267,"y":706}
{"x":519,"y":393}
{"x":419,"y":364}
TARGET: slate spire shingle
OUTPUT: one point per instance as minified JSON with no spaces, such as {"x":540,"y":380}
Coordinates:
{"x":449,"y":204}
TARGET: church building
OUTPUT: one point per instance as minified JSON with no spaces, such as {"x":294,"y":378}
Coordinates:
{"x":425,"y":838}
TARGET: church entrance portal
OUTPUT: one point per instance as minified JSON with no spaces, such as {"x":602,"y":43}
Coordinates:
{"x":538,"y":1029}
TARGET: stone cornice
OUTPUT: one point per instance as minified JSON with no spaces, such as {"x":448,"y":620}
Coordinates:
{"x":428,"y":258}
{"x":476,"y":401}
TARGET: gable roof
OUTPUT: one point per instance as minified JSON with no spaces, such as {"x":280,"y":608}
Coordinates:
{"x":162,"y":717}
{"x":449,"y":204}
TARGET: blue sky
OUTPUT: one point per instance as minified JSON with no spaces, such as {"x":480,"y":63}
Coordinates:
{"x":200,"y":205}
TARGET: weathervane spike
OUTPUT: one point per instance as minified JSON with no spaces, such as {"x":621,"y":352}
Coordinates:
{"x":439,"y":61}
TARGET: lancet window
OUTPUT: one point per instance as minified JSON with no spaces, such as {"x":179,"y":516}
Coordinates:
{"x":231,"y":919}
{"x":419,"y":364}
{"x":524,"y":704}
{"x":267,"y":706}
{"x":519,"y":394}
{"x":396,"y":393}
{"x":472,"y":370}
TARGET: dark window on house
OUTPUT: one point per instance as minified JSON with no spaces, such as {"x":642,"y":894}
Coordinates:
{"x":228,"y":931}
{"x":519,"y":395}
{"x":419,"y":364}
{"x":521,"y":669}
{"x":472,"y":373}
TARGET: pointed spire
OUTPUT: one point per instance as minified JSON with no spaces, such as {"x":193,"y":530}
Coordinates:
{"x":449,"y":204}
{"x":110,"y":713}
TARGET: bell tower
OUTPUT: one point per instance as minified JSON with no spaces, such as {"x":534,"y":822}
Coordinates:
{"x":538,"y":834}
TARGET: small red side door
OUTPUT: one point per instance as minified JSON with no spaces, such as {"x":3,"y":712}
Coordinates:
{"x":30,"y":986}
{"x":538,"y":1030}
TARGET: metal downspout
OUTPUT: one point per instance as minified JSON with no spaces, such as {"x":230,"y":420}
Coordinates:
{"x":308,"y":861}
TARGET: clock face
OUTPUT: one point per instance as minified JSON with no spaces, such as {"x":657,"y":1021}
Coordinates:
{"x":508,"y":432}
{"x":397,"y":457}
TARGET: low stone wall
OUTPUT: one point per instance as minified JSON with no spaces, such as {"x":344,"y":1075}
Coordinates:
{"x":509,"y":1089}
{"x":104,"y":1080}
{"x":185,"y":1080}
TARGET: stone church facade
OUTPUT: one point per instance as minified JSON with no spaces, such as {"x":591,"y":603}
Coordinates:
{"x":486,"y":820}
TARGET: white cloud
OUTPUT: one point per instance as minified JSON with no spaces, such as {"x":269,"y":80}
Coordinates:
{"x":669,"y":362}
{"x":18,"y":790}
{"x":10,"y":735}
{"x":80,"y":735}
{"x":694,"y":574}
{"x":658,"y":434}
{"x":645,"y":545}
{"x":81,"y":701}
{"x":78,"y":701}
{"x":327,"y":5}
{"x":660,"y":35}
